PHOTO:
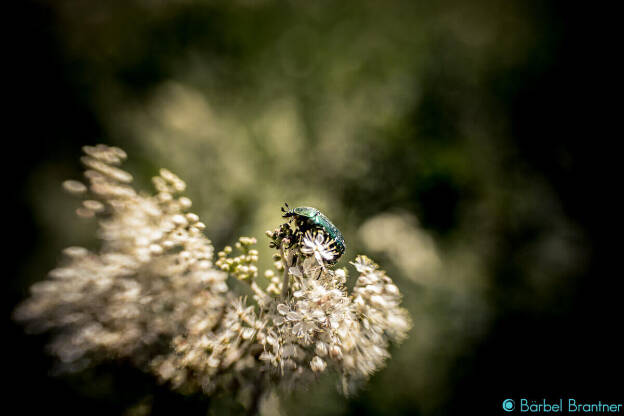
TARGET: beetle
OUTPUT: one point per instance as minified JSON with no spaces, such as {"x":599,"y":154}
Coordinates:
{"x":308,"y":218}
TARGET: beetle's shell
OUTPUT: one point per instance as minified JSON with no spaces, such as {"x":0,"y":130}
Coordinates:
{"x":306,"y":211}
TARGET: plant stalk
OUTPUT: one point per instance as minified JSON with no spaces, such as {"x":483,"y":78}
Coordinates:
{"x":286,"y":279}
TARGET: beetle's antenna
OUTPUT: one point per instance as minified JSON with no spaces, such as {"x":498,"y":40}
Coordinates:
{"x":285,"y":211}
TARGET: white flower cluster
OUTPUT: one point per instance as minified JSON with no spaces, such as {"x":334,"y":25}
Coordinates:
{"x":152,"y":294}
{"x":323,"y":326}
{"x":153,"y":273}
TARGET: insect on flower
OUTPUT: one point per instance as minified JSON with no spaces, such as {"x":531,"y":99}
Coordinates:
{"x":308,"y":218}
{"x":170,"y":309}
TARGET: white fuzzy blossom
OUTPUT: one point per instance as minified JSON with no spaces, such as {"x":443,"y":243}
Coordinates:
{"x":152,"y":277}
{"x":153,"y":294}
{"x":315,"y":243}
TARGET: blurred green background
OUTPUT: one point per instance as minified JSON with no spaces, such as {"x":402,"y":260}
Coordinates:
{"x":446,"y":139}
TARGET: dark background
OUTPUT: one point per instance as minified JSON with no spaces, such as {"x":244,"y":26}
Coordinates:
{"x":560,"y":107}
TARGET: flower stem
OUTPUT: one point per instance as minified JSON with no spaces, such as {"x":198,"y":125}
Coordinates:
{"x":285,"y":281}
{"x":258,"y":391}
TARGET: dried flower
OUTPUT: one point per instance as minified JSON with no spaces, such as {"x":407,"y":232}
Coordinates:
{"x":153,"y":284}
{"x":152,"y":276}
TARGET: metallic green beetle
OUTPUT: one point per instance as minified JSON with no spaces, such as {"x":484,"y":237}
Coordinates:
{"x":308,"y":218}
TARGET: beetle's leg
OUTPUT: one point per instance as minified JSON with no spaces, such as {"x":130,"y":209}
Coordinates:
{"x":299,"y":235}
